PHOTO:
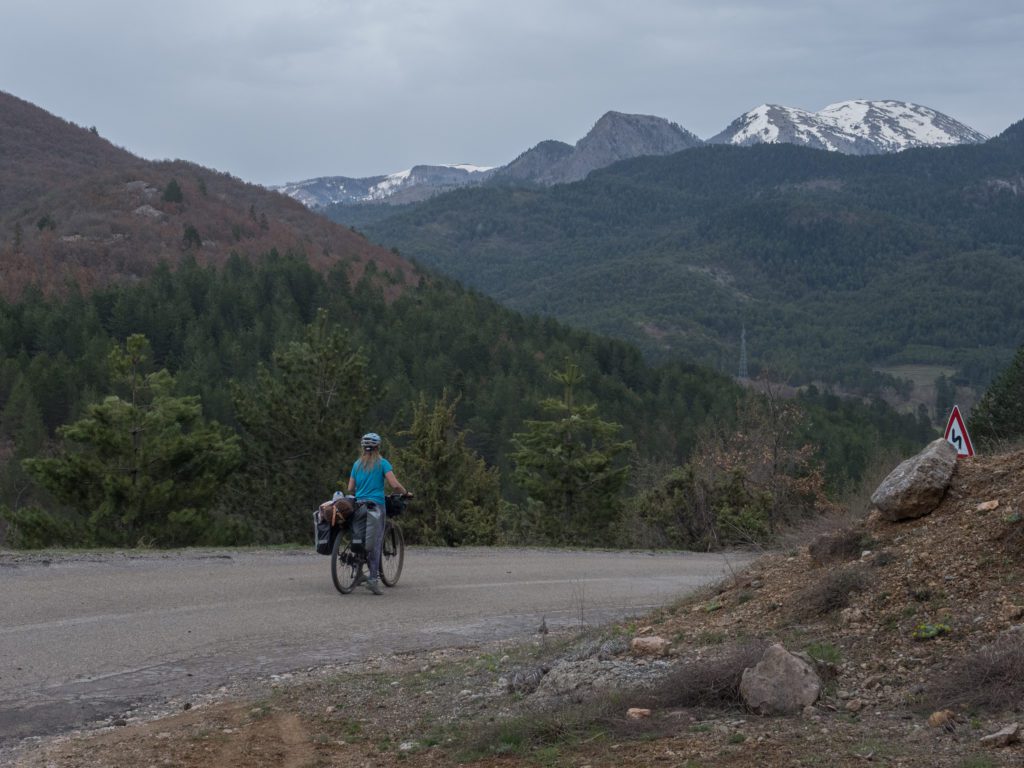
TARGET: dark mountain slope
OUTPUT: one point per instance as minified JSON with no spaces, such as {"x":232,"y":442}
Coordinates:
{"x":75,"y":207}
{"x":835,"y":264}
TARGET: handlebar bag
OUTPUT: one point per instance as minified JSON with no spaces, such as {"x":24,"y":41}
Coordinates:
{"x":394,"y":505}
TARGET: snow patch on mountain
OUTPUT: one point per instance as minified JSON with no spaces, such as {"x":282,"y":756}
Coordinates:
{"x":858,"y":127}
{"x":412,"y":184}
{"x":389,"y":186}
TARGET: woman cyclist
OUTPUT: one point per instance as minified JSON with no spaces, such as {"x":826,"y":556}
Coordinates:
{"x":366,"y":482}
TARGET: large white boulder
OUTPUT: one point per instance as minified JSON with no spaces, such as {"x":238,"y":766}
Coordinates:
{"x":916,"y":487}
{"x":780,"y":684}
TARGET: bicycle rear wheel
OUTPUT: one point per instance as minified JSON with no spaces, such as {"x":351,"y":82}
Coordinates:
{"x":345,"y":564}
{"x":392,"y":555}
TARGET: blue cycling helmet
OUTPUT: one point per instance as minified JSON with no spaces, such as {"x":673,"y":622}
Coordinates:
{"x":370,"y":441}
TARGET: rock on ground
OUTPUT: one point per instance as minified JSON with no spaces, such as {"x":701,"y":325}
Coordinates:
{"x":780,"y":684}
{"x":916,"y":487}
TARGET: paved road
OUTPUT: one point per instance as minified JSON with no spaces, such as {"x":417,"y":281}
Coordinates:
{"x":83,"y":637}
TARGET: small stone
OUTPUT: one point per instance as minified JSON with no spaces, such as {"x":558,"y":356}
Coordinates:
{"x":1013,"y":613}
{"x":1004,"y":738}
{"x":637,"y":713}
{"x":851,"y":615}
{"x":987,"y":506}
{"x":649,"y":646}
{"x":465,"y":692}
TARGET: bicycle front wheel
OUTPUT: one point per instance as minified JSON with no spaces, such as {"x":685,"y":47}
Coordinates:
{"x":392,"y":555}
{"x":345,"y":564}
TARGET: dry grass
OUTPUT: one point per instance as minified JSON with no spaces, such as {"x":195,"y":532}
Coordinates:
{"x":991,"y":679}
{"x":712,"y":682}
{"x":830,"y":593}
{"x":838,"y":519}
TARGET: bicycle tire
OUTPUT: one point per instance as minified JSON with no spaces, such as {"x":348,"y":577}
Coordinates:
{"x":345,"y":564}
{"x":392,"y":556}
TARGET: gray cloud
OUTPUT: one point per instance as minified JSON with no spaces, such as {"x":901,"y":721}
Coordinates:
{"x":273,"y":91}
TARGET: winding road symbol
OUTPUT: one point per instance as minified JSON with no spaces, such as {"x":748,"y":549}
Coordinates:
{"x":956,"y":434}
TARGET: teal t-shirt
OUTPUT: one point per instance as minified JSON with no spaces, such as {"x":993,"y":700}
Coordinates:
{"x":370,"y":484}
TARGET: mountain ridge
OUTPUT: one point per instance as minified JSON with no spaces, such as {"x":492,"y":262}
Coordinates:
{"x":852,"y":127}
{"x":73,"y":207}
{"x":809,"y":249}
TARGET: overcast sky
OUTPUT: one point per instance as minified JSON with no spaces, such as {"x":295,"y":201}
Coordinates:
{"x":275,"y":91}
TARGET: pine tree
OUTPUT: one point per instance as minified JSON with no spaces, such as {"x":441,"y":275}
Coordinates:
{"x":571,"y":466}
{"x":999,"y":415}
{"x":457,"y":497}
{"x":300,"y":422}
{"x":21,"y":423}
{"x":172,"y":192}
{"x":142,"y":466}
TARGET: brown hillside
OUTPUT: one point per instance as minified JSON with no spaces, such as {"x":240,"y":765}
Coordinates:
{"x":73,"y":207}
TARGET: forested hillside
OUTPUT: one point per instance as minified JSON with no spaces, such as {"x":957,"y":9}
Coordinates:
{"x":185,"y":358}
{"x":248,"y":344}
{"x":836,"y":265}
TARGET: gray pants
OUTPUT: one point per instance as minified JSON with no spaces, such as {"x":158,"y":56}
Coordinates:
{"x":374,"y":537}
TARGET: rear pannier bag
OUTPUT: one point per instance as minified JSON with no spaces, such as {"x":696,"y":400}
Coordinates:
{"x":324,"y":534}
{"x":358,"y":522}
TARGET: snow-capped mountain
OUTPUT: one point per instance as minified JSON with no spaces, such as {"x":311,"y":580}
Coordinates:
{"x":853,"y":127}
{"x":412,"y":185}
{"x":615,"y":136}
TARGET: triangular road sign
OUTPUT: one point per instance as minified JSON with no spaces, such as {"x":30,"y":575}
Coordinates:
{"x":956,"y":434}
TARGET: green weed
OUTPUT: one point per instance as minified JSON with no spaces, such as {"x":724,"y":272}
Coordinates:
{"x":824,"y":652}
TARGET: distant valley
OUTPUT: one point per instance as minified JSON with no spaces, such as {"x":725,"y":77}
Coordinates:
{"x":839,"y":266}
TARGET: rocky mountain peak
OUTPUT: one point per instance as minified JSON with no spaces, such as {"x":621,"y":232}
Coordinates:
{"x":619,"y":136}
{"x":534,"y":163}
